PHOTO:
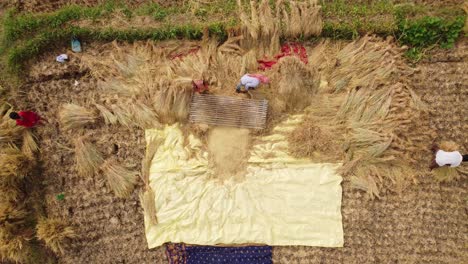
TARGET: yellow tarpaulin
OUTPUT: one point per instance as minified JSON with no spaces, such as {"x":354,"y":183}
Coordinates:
{"x":282,"y":201}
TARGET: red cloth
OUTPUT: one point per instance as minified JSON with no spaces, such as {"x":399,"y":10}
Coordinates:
{"x":181,"y":55}
{"x":28,"y":119}
{"x":200,"y":86}
{"x":293,"y":49}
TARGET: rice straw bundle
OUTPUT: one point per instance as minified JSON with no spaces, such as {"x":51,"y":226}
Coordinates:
{"x":260,"y":30}
{"x":296,"y":83}
{"x":29,"y":146}
{"x":120,"y":179}
{"x":10,"y":133}
{"x":172,"y":100}
{"x":449,"y":146}
{"x":14,"y":244}
{"x":305,"y":19}
{"x":123,"y":115}
{"x":14,"y":165}
{"x":446,"y":174}
{"x":107,"y":115}
{"x":87,"y":158}
{"x":148,"y":202}
{"x":366,"y":184}
{"x":9,"y":192}
{"x":144,"y":116}
{"x":55,"y":233}
{"x":11,"y":213}
{"x":75,"y":116}
{"x":147,"y":197}
{"x":308,"y":139}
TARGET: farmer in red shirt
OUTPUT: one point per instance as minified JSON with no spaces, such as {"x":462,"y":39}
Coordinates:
{"x":26,"y":118}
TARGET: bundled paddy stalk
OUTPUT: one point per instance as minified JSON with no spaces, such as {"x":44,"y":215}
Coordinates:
{"x":55,"y":234}
{"x":147,"y":197}
{"x":75,"y":116}
{"x":87,"y":158}
{"x":120,"y":179}
{"x":29,"y":146}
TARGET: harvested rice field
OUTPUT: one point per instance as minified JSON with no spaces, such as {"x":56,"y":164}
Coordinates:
{"x":98,"y":188}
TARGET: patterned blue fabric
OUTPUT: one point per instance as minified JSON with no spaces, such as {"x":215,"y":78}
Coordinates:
{"x":229,"y":255}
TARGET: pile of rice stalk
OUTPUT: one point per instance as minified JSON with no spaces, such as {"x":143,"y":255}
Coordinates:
{"x":87,"y":158}
{"x":147,"y":196}
{"x":160,"y":90}
{"x":295,"y":83}
{"x":10,"y":133}
{"x":390,"y":132}
{"x":305,"y":19}
{"x":55,"y":233}
{"x":29,"y":146}
{"x":15,"y":165}
{"x":384,"y":124}
{"x":315,"y":142}
{"x":120,"y":179}
{"x":260,"y":29}
{"x":74,"y":116}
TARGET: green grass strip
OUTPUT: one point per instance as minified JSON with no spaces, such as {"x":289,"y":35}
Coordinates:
{"x":18,"y":55}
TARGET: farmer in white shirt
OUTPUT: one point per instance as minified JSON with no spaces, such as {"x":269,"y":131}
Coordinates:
{"x":447,"y":158}
{"x":251,"y":81}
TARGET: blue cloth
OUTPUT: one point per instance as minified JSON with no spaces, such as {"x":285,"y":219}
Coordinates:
{"x":229,"y":255}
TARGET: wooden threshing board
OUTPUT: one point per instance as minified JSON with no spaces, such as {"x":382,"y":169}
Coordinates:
{"x":229,"y":111}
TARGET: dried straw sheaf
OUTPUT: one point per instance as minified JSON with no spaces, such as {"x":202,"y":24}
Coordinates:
{"x":15,"y":244}
{"x":29,"y":146}
{"x":10,"y":133}
{"x":449,"y":146}
{"x":368,"y":99}
{"x":448,"y":174}
{"x":304,"y":20}
{"x":160,"y":90}
{"x":120,"y":179}
{"x":315,"y":142}
{"x":14,"y":165}
{"x":295,"y":83}
{"x":12,"y":214}
{"x":389,"y":129}
{"x":147,"y":197}
{"x":87,"y":158}
{"x":75,"y":116}
{"x":55,"y":234}
{"x":261,"y":29}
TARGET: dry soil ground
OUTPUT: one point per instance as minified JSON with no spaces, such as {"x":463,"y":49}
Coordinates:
{"x":425,"y":224}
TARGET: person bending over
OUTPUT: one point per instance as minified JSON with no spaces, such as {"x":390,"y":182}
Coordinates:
{"x":251,"y":81}
{"x":446,"y":158}
{"x":26,"y":119}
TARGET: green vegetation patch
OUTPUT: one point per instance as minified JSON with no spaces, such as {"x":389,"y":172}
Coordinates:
{"x":425,"y":32}
{"x":27,"y":35}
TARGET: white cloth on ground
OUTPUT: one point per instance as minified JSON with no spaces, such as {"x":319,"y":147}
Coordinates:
{"x":249,"y":82}
{"x":281,"y":201}
{"x":453,"y":158}
{"x":62,"y":58}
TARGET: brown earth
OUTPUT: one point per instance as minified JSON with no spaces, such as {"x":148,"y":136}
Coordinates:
{"x":425,"y":224}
